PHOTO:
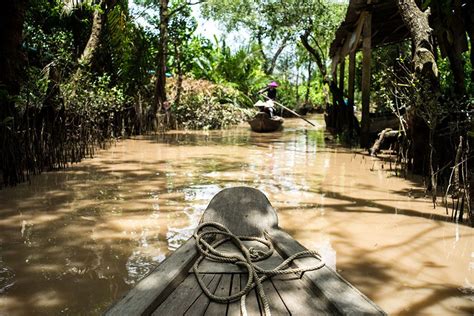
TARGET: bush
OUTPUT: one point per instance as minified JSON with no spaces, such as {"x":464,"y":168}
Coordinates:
{"x":99,"y":104}
{"x":204,"y":105}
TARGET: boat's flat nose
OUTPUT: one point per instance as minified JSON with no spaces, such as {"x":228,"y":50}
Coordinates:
{"x":244,"y":211}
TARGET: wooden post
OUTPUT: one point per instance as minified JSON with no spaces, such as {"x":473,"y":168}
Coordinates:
{"x":334,"y":79}
{"x":366,"y":51}
{"x":352,"y":64}
{"x":342,"y":70}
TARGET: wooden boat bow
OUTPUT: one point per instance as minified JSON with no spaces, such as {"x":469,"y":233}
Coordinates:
{"x":171,"y":289}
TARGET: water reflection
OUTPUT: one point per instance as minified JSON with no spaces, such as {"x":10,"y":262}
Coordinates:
{"x":89,"y":233}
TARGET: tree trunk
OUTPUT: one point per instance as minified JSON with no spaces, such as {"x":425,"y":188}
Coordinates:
{"x":272,"y":65}
{"x":12,"y":17}
{"x":179,"y":81}
{"x":470,"y":30}
{"x":308,"y":84}
{"x":427,"y":72}
{"x":269,"y":64}
{"x":450,"y":33}
{"x":317,"y":57}
{"x":457,"y":67}
{"x":351,"y":79}
{"x":160,"y":87}
{"x":366,"y":79}
{"x":94,"y":38}
{"x":297,"y":95}
{"x":260,"y":49}
{"x":459,"y":46}
{"x":87,"y":56}
{"x":417,"y":23}
{"x":339,"y":116}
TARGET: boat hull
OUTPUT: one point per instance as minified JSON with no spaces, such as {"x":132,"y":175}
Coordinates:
{"x":262,"y":123}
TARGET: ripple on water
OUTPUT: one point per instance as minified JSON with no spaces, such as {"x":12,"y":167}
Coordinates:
{"x":7,"y":277}
{"x":139,"y":264}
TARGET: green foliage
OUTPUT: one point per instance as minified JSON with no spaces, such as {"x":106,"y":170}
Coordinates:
{"x":182,"y":48}
{"x":240,"y":69}
{"x":68,"y":6}
{"x":270,"y":18}
{"x":390,"y":66}
{"x":208,"y":106}
{"x":268,"y":23}
{"x":317,"y":93}
{"x":127,"y":52}
{"x":94,"y":96}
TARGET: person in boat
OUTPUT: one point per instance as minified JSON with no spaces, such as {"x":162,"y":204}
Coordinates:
{"x":269,"y":105}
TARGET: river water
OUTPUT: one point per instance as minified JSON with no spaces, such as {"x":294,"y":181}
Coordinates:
{"x":75,"y":240}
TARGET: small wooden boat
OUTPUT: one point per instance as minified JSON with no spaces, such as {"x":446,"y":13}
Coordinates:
{"x":172,"y":288}
{"x":262,"y":123}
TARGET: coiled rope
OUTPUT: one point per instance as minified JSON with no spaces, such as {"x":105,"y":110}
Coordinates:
{"x":246,"y":258}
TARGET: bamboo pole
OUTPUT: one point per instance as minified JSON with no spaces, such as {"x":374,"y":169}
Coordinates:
{"x":291,"y":111}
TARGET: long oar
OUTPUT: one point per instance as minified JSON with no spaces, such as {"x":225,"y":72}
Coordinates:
{"x":289,"y":110}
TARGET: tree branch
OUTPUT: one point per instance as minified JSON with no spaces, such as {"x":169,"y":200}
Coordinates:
{"x":313,"y":52}
{"x":321,"y":51}
{"x":260,"y":45}
{"x":183,"y":6}
{"x":282,"y":46}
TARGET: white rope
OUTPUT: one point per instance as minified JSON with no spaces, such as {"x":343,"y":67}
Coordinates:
{"x":246,"y":258}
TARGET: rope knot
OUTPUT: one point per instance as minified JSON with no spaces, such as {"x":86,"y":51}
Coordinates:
{"x":211,"y":230}
{"x":256,"y":254}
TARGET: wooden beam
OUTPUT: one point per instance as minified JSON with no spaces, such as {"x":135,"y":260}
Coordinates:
{"x":342,"y":76}
{"x":352,"y":40}
{"x":366,"y":51}
{"x":334,"y":62}
{"x":350,"y":43}
{"x":352,"y":64}
{"x":334,"y":79}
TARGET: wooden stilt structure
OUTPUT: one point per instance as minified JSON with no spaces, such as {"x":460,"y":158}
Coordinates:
{"x":368,"y":24}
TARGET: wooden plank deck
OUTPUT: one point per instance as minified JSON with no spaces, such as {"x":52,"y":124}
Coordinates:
{"x":223,"y":289}
{"x":234,"y":308}
{"x":286,"y":294}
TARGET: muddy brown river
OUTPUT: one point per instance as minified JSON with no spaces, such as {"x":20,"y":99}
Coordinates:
{"x":75,"y":240}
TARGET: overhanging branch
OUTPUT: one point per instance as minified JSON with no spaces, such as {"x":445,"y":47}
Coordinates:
{"x":183,"y":6}
{"x":313,"y":52}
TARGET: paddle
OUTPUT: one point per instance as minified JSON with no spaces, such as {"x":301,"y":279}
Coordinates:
{"x":289,"y":110}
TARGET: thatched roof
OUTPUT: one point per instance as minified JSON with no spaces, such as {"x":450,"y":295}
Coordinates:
{"x":387,"y":24}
